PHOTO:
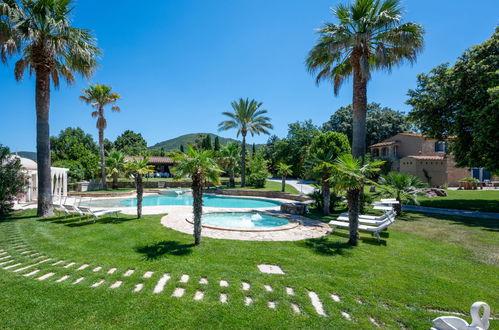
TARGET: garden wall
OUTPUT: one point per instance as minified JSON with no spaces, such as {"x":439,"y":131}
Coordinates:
{"x":260,"y":193}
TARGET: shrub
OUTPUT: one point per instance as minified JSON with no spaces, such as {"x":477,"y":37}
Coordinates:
{"x":257,"y":167}
{"x":12,"y":180}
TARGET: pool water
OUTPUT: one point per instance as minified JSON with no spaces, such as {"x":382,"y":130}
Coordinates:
{"x":187,"y":199}
{"x":243,"y":220}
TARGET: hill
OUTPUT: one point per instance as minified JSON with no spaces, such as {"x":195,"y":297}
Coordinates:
{"x":27,"y":154}
{"x":175,"y":143}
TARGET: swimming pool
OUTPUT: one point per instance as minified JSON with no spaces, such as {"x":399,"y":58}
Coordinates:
{"x":186,"y":199}
{"x":243,"y":220}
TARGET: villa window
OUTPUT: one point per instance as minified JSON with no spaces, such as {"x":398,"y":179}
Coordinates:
{"x":441,"y":146}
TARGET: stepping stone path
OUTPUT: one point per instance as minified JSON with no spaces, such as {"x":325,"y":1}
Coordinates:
{"x":12,"y":266}
{"x":96,"y":269}
{"x":178,"y":292}
{"x":71,"y":264}
{"x":32,"y":273}
{"x":246,"y":286}
{"x":78,"y":280}
{"x":335,"y":297}
{"x":128,"y":273}
{"x":6,"y":262}
{"x":223,"y":298}
{"x":111,"y":271}
{"x":199,"y":295}
{"x":314,"y":298}
{"x":270,"y":269}
{"x":373,"y":321}
{"x":290,"y":291}
{"x":346,"y":316}
{"x":58,"y":263}
{"x":6,"y":257}
{"x":44,"y":277}
{"x":184,"y":278}
{"x":203,"y":281}
{"x":82,"y":267}
{"x":62,"y":279}
{"x":268,"y":288}
{"x":138,"y":287}
{"x":248,"y":301}
{"x":161,"y":283}
{"x":116,"y":284}
{"x":148,"y":274}
{"x":224,"y":283}
{"x":271,"y":304}
{"x":97,"y":284}
{"x":295,"y":308}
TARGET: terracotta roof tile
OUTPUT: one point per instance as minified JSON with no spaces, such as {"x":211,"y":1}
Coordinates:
{"x":427,"y":157}
{"x":383,"y":143}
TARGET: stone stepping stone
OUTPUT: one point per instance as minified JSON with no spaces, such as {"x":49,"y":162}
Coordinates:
{"x":2,"y":253}
{"x":32,"y":273}
{"x":358,"y":301}
{"x":161,"y":283}
{"x":246,"y":286}
{"x":30,"y":266}
{"x":335,"y":297}
{"x":248,"y":301}
{"x":96,"y":269}
{"x":129,"y":272}
{"x":6,"y":262}
{"x":138,"y":287}
{"x":78,"y":280}
{"x":26,"y":252}
{"x":270,"y":269}
{"x":224,"y":283}
{"x":71,"y":264}
{"x":346,"y":316}
{"x":373,"y":321}
{"x":268,"y":288}
{"x":178,"y":292}
{"x":82,"y":267}
{"x":295,"y":308}
{"x":112,"y":271}
{"x":34,"y":255}
{"x":12,"y":266}
{"x":316,"y":302}
{"x":98,"y":283}
{"x":199,"y":295}
{"x":271,"y":304}
{"x":116,"y":284}
{"x":62,"y":279}
{"x":203,"y":281}
{"x":57,"y":262}
{"x":223,"y":298}
{"x":148,"y":274}
{"x":6,"y":257}
{"x":290,"y":291}
{"x":44,"y":277}
{"x":184,"y":278}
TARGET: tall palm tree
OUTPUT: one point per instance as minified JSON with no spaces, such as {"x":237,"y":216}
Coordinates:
{"x":40,"y":32}
{"x":369,"y":35}
{"x":137,"y":168}
{"x":284,"y":170}
{"x":202,"y":168}
{"x":247,"y":117}
{"x":401,"y":186}
{"x":350,"y":174}
{"x":229,"y":159}
{"x":115,"y":166}
{"x":99,"y":96}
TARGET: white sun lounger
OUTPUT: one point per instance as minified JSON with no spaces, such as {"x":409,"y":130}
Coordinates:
{"x":374,"y":230}
{"x":369,"y":220}
{"x":58,"y":204}
{"x":71,"y":205}
{"x":89,"y":212}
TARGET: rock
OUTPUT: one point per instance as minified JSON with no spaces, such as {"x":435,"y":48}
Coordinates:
{"x":435,"y":192}
{"x":294,"y":208}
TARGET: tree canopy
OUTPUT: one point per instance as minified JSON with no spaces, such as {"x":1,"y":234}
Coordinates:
{"x":381,"y":123}
{"x":131,"y":144}
{"x":461,"y":102}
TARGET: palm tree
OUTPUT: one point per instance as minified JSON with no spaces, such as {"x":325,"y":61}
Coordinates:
{"x":99,"y":96}
{"x":229,"y":159}
{"x":48,"y":46}
{"x":202,"y":168}
{"x":369,"y":35}
{"x":350,"y":174}
{"x":401,"y":186}
{"x":247,"y":117}
{"x":284,"y":170}
{"x":115,"y":166}
{"x":137,"y":168}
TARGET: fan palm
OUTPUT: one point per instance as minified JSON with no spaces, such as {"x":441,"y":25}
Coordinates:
{"x":284,"y":170}
{"x":51,"y":49}
{"x":99,"y":96}
{"x":369,"y":35}
{"x":401,"y":186}
{"x":202,"y":168}
{"x":115,"y":166}
{"x":229,"y":159}
{"x":246,"y":118}
{"x":137,"y":168}
{"x":350,"y":174}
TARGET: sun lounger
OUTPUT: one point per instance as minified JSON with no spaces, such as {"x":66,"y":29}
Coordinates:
{"x":58,"y":204}
{"x":89,"y":212}
{"x":71,"y":205}
{"x":369,"y":220}
{"x":374,"y":230}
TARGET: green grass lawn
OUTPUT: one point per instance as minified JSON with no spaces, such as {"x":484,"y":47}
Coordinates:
{"x":269,"y":186}
{"x":425,"y":263}
{"x":475,"y":200}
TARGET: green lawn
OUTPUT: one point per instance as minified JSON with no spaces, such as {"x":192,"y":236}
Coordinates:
{"x":425,"y":263}
{"x":475,"y":200}
{"x":269,"y":186}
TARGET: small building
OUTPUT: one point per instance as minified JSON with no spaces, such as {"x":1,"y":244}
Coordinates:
{"x":421,"y":156}
{"x":162,"y":165}
{"x":59,"y":179}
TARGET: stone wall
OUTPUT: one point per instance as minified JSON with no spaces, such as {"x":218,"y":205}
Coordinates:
{"x":260,"y":193}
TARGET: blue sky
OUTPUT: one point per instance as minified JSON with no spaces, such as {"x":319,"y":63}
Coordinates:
{"x":179,"y":64}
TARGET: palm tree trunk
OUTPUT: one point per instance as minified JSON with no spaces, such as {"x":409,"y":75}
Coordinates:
{"x":243,"y":161}
{"x":197,"y":193}
{"x":102,"y":165}
{"x":43,"y":142}
{"x":398,"y":207}
{"x":115,"y":181}
{"x":283,"y":183}
{"x":326,"y":195}
{"x":353,"y":197}
{"x":359,"y":111}
{"x":140,"y":193}
{"x":232,"y":182}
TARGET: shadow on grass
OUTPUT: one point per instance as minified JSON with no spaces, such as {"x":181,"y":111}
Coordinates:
{"x":102,"y":221}
{"x":483,"y":205}
{"x":325,"y":246}
{"x":157,"y":250}
{"x":485,"y":224}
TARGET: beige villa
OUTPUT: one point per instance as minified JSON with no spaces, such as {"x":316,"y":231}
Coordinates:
{"x":421,"y":156}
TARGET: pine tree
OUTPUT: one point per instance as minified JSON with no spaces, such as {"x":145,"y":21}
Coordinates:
{"x":216,"y":146}
{"x":182,"y":148}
